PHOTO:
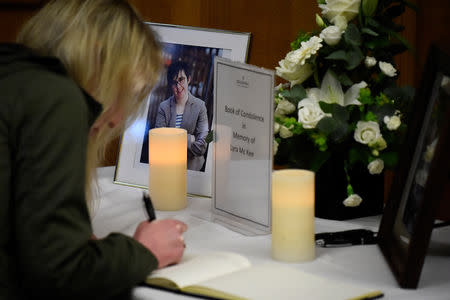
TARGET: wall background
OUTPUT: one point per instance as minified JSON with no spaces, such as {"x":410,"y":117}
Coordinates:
{"x":272,"y":24}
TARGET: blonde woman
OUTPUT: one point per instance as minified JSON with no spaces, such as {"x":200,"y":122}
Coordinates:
{"x":81,"y":68}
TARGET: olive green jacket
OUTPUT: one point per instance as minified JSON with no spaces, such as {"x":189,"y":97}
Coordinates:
{"x":45,"y":229}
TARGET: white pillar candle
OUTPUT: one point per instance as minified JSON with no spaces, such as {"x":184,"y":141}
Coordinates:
{"x":293,"y":215}
{"x":167,"y":158}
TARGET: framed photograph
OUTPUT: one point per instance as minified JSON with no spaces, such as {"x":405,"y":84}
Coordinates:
{"x":421,"y":176}
{"x":188,"y":54}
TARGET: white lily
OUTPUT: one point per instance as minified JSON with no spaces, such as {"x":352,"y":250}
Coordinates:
{"x":331,"y":92}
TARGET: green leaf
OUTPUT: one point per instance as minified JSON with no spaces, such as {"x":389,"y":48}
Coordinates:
{"x":340,"y":132}
{"x":285,"y":93}
{"x":327,"y":125}
{"x":385,"y":110}
{"x":390,"y":159}
{"x":403,"y":41}
{"x":372,"y":22}
{"x":333,"y":127}
{"x":377,"y":43}
{"x":357,"y":155}
{"x":352,"y":36}
{"x":298,"y":92}
{"x":369,"y":31}
{"x":318,"y":160}
{"x":369,"y":7}
{"x":338,"y":112}
{"x":209,"y":137}
{"x":355,"y":57}
{"x":404,"y":93}
{"x":326,"y":107}
{"x":338,"y":55}
{"x":344,"y":79}
{"x":295,"y":94}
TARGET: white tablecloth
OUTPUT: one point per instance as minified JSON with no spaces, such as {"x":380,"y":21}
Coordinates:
{"x":119,"y":209}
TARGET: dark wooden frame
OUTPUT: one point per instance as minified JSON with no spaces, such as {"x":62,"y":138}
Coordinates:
{"x":405,"y":256}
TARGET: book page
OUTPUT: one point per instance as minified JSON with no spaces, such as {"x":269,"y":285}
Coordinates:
{"x":275,"y":281}
{"x":197,"y":268}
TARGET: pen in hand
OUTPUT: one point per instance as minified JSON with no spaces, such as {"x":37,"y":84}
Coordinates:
{"x":149,"y":207}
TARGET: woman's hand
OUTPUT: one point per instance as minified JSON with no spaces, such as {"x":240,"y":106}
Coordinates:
{"x":163,"y":238}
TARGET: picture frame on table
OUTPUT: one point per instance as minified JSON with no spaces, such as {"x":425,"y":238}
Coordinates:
{"x":421,"y":177}
{"x":196,"y":47}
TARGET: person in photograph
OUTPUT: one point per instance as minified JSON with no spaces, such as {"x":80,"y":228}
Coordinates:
{"x":183,"y":110}
{"x":80,"y":70}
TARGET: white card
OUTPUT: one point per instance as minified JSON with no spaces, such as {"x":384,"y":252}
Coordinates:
{"x":243,"y":125}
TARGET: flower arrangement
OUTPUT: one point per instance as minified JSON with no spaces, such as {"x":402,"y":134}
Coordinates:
{"x":342,"y":95}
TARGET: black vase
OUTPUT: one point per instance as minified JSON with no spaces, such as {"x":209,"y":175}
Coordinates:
{"x":331,"y":191}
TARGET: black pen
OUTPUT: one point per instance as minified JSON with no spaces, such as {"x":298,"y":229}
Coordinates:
{"x":346,"y":238}
{"x":149,"y":207}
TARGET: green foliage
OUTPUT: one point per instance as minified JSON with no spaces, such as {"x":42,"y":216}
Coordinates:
{"x":320,"y":140}
{"x":352,"y":35}
{"x":301,"y":37}
{"x":370,"y":116}
{"x":365,"y":96}
{"x":390,"y":159}
{"x":295,"y":94}
{"x":369,"y":7}
{"x":352,"y":57}
{"x":372,"y":33}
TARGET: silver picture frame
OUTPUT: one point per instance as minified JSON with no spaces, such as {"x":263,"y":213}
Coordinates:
{"x":198,"y":47}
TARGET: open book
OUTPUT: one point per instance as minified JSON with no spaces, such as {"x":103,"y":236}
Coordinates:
{"x":226,"y":275}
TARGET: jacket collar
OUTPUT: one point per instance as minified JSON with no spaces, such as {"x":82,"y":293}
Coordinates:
{"x":173,"y":109}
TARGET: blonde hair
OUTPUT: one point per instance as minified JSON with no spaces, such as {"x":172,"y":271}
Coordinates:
{"x":108,"y":50}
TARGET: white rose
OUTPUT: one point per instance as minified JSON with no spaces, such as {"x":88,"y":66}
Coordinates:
{"x":275,"y":147}
{"x":387,"y":69}
{"x":284,"y":107}
{"x":367,"y":132}
{"x":376,"y":166}
{"x":294,"y":73}
{"x":392,"y":123}
{"x":276,"y":128}
{"x":309,"y":113}
{"x":294,"y":67}
{"x":352,"y":200}
{"x":346,"y":8}
{"x":285,"y":132}
{"x":340,"y":22}
{"x":331,"y":35}
{"x":370,"y":61}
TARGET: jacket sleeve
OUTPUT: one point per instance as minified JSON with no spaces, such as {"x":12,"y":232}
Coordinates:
{"x":161,"y":117}
{"x":56,"y":257}
{"x":197,"y":145}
